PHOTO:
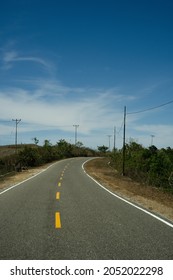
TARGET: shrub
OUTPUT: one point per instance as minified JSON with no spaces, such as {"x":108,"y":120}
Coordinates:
{"x":147,"y":165}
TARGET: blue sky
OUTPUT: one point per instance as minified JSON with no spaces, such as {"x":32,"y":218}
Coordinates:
{"x":80,"y":62}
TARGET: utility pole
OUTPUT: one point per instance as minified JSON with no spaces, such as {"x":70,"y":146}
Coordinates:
{"x":114,"y":137}
{"x":152,"y":136}
{"x":17,"y":122}
{"x":124,"y":141}
{"x":76,"y":127}
{"x":109,"y":136}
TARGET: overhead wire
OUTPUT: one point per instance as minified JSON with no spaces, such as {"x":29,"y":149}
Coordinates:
{"x":120,"y":127}
{"x":149,"y":109}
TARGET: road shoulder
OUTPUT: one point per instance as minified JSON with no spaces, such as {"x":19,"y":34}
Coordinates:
{"x":11,"y":180}
{"x":150,"y":198}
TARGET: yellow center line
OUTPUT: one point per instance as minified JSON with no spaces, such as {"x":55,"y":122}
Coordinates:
{"x":58,"y":195}
{"x":61,"y":178}
{"x":59,"y":184}
{"x":57,"y":220}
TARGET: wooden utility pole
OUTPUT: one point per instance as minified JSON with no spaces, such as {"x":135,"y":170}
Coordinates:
{"x":124,"y":142}
{"x":114,"y":137}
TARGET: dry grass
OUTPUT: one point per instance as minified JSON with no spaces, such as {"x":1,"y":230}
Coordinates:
{"x":10,"y":150}
{"x":151,"y":198}
{"x":8,"y":181}
{"x":6,"y":151}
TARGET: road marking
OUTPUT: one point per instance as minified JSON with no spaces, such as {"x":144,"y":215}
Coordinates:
{"x":126,"y":201}
{"x":58,"y":195}
{"x":61,"y":178}
{"x":57,"y":220}
{"x":59,"y":184}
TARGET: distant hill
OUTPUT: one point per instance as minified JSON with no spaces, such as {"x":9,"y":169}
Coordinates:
{"x":9,"y":150}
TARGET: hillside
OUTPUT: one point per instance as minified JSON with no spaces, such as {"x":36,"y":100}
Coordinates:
{"x":9,"y":150}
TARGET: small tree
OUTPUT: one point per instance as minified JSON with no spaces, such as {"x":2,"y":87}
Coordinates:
{"x":102,"y":149}
{"x":48,"y":153}
{"x":36,"y":141}
{"x":47,"y":143}
{"x":79,"y":144}
{"x":64,"y":148}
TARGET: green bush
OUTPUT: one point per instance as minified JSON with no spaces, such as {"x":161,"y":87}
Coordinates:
{"x":147,"y":165}
{"x":30,"y":157}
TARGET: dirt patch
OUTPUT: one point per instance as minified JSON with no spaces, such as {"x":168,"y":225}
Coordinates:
{"x":151,"y":198}
{"x":10,"y":180}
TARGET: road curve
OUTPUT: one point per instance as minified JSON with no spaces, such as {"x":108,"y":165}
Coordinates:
{"x":63,"y":214}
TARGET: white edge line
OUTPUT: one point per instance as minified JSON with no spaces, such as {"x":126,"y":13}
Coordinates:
{"x":14,"y":186}
{"x":123,"y":199}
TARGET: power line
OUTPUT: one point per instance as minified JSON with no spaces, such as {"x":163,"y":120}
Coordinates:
{"x":120,"y":127}
{"x":152,"y":108}
{"x":4,"y":121}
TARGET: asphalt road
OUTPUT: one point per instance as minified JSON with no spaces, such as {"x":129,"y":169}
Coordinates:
{"x":63,"y":214}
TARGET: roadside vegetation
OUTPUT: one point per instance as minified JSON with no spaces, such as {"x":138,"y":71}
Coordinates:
{"x":33,"y":155}
{"x":154,"y":199}
{"x":149,"y":166}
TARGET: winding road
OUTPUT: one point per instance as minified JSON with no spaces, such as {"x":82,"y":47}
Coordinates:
{"x":63,"y":214}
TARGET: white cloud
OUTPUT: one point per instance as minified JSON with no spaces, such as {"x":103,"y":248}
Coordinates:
{"x":11,"y":57}
{"x":162,"y":134}
{"x":32,"y":59}
{"x":51,"y":106}
{"x":52,"y":110}
{"x":48,"y":104}
{"x":155,"y":129}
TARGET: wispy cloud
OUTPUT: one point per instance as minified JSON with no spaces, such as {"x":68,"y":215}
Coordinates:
{"x":9,"y":58}
{"x":50,"y":105}
{"x":162,"y":134}
{"x":156,"y":129}
{"x":53,"y":109}
{"x":47,"y":104}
